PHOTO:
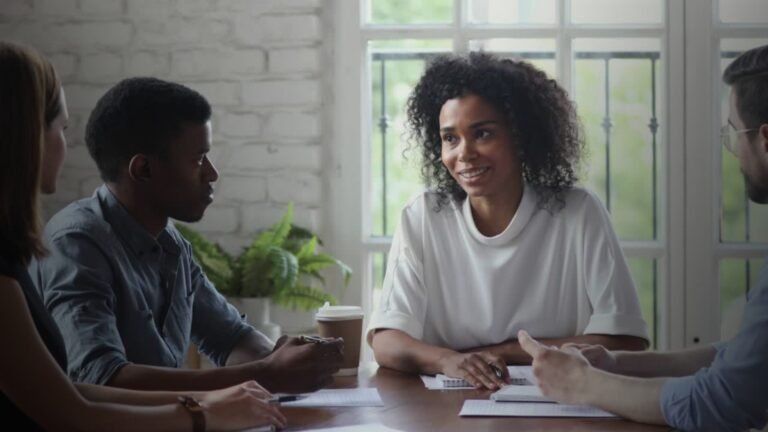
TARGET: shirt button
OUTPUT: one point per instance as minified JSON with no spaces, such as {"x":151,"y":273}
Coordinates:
{"x":155,"y":249}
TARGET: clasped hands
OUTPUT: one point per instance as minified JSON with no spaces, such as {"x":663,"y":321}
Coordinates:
{"x":302,"y":364}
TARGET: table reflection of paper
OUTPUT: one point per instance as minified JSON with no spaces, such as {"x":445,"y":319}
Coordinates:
{"x":339,"y":397}
{"x":490,"y":408}
{"x":368,"y":427}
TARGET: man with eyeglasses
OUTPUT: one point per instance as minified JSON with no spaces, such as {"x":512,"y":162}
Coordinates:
{"x":722,"y":387}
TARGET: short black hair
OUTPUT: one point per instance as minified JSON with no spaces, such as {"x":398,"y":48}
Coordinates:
{"x":748,"y":77}
{"x":540,"y":115}
{"x":140,"y":115}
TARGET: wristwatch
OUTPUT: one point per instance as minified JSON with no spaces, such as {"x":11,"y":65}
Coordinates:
{"x":195,"y":410}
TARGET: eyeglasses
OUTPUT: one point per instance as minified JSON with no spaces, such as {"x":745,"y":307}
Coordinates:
{"x":727,"y":139}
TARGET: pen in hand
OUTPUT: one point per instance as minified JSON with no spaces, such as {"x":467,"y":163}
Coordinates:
{"x":278,"y":399}
{"x":320,"y":340}
{"x":499,"y":374}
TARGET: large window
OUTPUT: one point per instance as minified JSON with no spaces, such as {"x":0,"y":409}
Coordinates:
{"x":626,"y":64}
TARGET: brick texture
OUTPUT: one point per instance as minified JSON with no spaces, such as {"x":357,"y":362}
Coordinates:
{"x":258,"y":62}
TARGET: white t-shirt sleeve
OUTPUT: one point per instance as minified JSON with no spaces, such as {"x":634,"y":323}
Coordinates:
{"x":403,"y":302}
{"x":611,"y":291}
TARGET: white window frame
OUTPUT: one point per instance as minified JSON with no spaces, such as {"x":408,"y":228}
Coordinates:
{"x":347,"y":180}
{"x":703,"y":249}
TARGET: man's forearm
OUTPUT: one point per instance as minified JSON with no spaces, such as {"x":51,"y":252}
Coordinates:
{"x":668,"y":364}
{"x":512,"y":353}
{"x":634,"y":398}
{"x":141,"y":377}
{"x":251,"y":346}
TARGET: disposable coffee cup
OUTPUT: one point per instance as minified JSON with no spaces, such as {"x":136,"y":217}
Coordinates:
{"x":344,"y":322}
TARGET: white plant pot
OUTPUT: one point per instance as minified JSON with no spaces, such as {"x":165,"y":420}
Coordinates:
{"x":257,"y":312}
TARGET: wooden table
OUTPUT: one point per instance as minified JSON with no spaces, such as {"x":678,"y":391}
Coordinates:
{"x":409,"y":406}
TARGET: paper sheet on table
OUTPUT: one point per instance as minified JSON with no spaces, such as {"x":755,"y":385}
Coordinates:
{"x":520,"y":393}
{"x":339,"y":397}
{"x":489,"y":408}
{"x":368,"y":427}
{"x":517,"y":373}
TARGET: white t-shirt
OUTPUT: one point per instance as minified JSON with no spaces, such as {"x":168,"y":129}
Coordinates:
{"x":554,"y":273}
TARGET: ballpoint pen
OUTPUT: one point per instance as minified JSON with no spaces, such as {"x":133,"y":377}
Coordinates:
{"x":315,"y":339}
{"x":319,"y":340}
{"x":278,"y":399}
{"x":496,"y":370}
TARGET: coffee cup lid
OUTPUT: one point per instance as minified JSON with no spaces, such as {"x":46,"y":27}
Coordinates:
{"x":329,"y":312}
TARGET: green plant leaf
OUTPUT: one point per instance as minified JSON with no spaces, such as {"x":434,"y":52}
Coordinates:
{"x":278,"y":263}
{"x":215,"y":263}
{"x":284,"y":269}
{"x":303,"y":297}
{"x":277,"y":233}
{"x":307,"y":250}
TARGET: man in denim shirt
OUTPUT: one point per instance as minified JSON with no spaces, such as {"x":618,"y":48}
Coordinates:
{"x":120,"y":280}
{"x":722,"y":387}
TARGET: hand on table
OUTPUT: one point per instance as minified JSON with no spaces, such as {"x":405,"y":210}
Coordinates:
{"x":239,"y":407}
{"x":476,"y":368}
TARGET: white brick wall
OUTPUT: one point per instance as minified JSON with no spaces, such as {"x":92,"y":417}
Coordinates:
{"x":258,"y":62}
{"x":294,"y":60}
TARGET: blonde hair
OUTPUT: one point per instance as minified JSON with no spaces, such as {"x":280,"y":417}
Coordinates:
{"x":29,"y":101}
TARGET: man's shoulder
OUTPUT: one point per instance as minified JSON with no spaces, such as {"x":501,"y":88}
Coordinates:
{"x":83,"y":216}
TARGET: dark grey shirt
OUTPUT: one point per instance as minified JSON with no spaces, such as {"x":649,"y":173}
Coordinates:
{"x":731,"y":394}
{"x":119,"y":295}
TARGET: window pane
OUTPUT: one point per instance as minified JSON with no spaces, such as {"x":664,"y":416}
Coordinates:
{"x":410,"y":12}
{"x":539,"y":52}
{"x":737,"y":276}
{"x":512,"y":11}
{"x":396,"y":66}
{"x":617,"y":90}
{"x":378,"y":266}
{"x":617,"y":11}
{"x":644,"y":273}
{"x":743,"y":11}
{"x":740,"y":219}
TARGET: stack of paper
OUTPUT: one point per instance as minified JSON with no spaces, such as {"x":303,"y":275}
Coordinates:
{"x":339,"y":397}
{"x":520,"y":393}
{"x":521,"y":375}
{"x":489,"y":408}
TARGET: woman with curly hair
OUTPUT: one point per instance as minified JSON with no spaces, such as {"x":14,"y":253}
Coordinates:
{"x":503,"y":240}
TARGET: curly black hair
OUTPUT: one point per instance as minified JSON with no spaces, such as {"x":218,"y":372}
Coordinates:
{"x":541,"y":117}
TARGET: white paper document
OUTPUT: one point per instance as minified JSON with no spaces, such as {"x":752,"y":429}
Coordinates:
{"x":520,"y":393}
{"x":519,"y":374}
{"x":339,"y":397}
{"x":368,"y":427}
{"x":489,"y":408}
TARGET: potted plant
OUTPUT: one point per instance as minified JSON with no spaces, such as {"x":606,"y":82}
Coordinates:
{"x":279,"y":267}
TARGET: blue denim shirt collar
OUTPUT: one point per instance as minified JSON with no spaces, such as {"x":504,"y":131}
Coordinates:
{"x":138,"y":239}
